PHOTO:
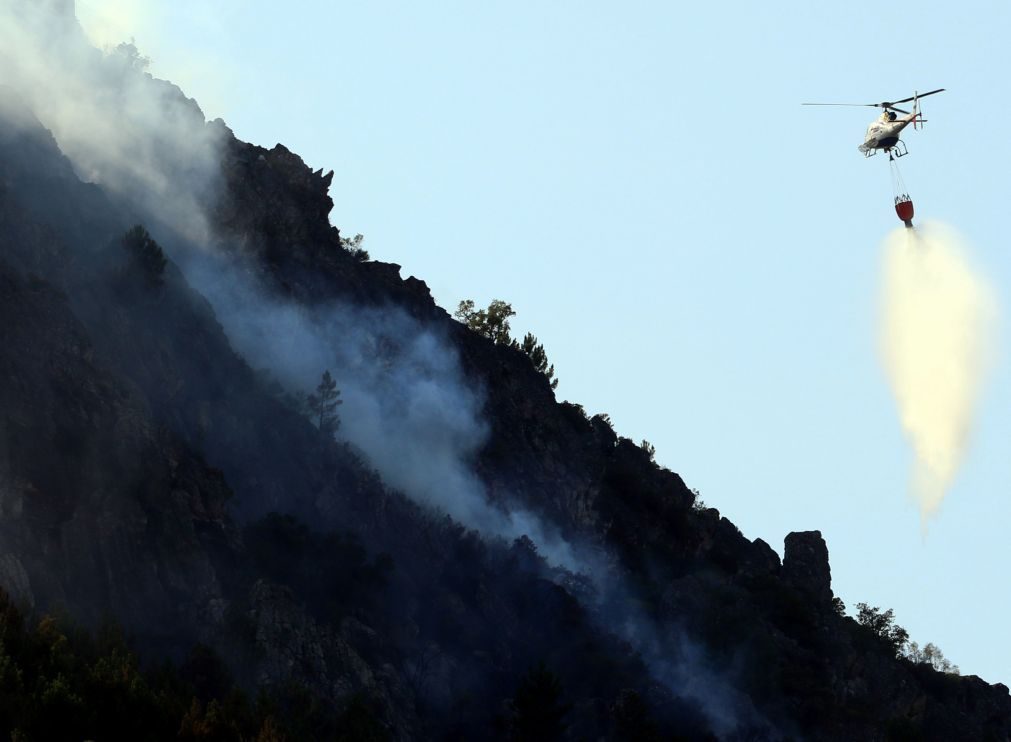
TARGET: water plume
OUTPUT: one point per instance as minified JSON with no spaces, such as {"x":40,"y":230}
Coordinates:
{"x":936,"y":341}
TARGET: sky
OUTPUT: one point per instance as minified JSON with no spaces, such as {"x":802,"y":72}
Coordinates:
{"x":700,"y":255}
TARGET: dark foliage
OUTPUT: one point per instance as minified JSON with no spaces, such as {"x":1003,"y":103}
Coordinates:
{"x":354,"y":247}
{"x":881,"y":624}
{"x":539,"y":358}
{"x":538,"y":707}
{"x":492,"y":323}
{"x":331,"y":572}
{"x":648,"y":448}
{"x":145,"y":255}
{"x":633,"y":720}
{"x":60,"y":683}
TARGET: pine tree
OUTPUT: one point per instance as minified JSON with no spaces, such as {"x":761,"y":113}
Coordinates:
{"x":493,"y":323}
{"x":539,"y":358}
{"x":323,"y":405}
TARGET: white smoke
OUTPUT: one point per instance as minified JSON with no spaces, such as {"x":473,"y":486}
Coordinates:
{"x":109,"y":22}
{"x":136,"y":136}
{"x":936,"y":343}
{"x":406,"y":403}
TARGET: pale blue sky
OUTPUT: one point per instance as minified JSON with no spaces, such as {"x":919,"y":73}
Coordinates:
{"x":699,"y":254}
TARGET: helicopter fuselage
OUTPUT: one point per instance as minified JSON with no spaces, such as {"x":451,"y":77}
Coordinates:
{"x":884,"y":134}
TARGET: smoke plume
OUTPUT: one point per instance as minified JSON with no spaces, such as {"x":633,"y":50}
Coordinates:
{"x":135,"y":135}
{"x":935,"y":346}
{"x":407,"y":406}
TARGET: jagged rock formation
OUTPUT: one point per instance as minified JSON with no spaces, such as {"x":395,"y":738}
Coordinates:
{"x":805,"y":566}
{"x":148,"y":472}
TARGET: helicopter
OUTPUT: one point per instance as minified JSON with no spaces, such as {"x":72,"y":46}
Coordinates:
{"x":883,"y":133}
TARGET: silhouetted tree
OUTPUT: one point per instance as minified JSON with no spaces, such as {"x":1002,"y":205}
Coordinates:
{"x":538,"y":709}
{"x":130,"y":57}
{"x":354,"y":246}
{"x":883,"y":625}
{"x":539,"y":358}
{"x":649,"y":449}
{"x":145,"y":254}
{"x":931,"y":655}
{"x":323,"y":405}
{"x":492,"y":322}
{"x":604,"y":418}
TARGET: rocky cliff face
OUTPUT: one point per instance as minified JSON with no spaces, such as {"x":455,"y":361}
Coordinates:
{"x":102,"y":509}
{"x":151,"y":471}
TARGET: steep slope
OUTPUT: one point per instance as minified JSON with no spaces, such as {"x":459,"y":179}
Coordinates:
{"x":103,"y":510}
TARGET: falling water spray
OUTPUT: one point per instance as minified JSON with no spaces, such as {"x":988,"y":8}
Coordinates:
{"x":936,"y":339}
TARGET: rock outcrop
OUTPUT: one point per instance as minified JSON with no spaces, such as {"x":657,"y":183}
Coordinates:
{"x":805,"y":565}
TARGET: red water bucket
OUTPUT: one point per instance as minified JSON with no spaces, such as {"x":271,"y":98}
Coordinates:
{"x":905,"y":211}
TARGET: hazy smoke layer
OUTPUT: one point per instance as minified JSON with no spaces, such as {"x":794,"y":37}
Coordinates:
{"x":935,"y":345}
{"x":406,"y":404}
{"x":136,"y":136}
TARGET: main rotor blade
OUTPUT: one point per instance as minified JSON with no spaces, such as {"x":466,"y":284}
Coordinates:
{"x":919,"y":95}
{"x":884,"y":104}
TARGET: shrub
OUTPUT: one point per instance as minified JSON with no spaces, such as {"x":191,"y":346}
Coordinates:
{"x":492,"y":322}
{"x":353,"y":245}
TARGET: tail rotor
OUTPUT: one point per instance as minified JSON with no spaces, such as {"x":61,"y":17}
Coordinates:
{"x":918,"y":120}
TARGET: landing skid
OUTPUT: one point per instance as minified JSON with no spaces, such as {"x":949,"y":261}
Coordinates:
{"x":896,"y":150}
{"x":899,"y":150}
